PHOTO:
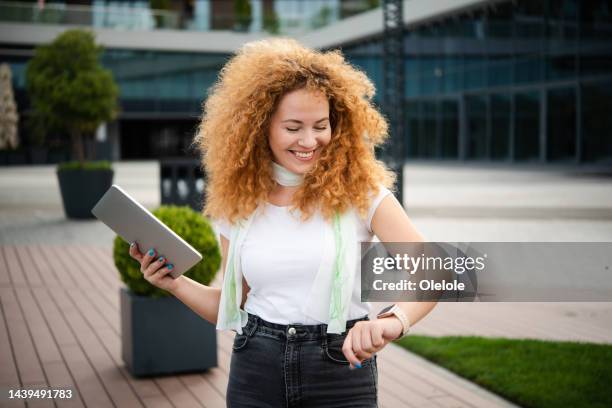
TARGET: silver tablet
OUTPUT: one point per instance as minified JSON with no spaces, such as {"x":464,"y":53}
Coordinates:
{"x":132,"y":222}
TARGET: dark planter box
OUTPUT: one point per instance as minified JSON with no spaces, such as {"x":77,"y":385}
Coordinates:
{"x":82,"y":189}
{"x":163,"y":336}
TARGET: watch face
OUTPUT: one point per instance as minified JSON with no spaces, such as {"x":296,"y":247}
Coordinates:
{"x":385,"y":310}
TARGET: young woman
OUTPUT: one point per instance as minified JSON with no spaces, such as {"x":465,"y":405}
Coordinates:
{"x":288,"y":137}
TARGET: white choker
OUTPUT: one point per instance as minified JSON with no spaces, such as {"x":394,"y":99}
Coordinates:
{"x":285,"y":177}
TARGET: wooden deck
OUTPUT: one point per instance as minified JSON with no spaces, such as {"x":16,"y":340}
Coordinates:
{"x":60,"y":327}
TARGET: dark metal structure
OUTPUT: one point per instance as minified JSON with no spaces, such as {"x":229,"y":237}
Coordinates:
{"x":182,"y":182}
{"x":393,"y":84}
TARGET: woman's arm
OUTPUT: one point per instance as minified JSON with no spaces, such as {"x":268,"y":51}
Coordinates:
{"x":202,"y":299}
{"x":390,"y":223}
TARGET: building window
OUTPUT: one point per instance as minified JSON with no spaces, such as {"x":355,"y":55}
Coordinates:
{"x":527,"y":126}
{"x":597,"y":121}
{"x":449,"y":117}
{"x":476,"y":119}
{"x":561,"y":124}
{"x":501,"y":121}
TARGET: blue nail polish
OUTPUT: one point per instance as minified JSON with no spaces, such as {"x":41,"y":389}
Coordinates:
{"x":358,"y":365}
{"x":170,"y":267}
{"x":151,"y":252}
{"x":161,"y":259}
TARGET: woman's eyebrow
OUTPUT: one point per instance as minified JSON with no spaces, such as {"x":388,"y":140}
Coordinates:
{"x":300,"y":122}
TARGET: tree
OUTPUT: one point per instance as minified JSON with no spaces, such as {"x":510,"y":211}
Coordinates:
{"x":243,"y":14}
{"x":69,"y":89}
{"x":270,"y":22}
{"x":322,"y":18}
{"x":8,"y":110}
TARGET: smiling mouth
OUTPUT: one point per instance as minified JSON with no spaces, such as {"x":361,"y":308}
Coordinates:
{"x":303,"y":155}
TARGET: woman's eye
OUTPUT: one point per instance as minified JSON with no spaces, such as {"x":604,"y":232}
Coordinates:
{"x":297,"y":129}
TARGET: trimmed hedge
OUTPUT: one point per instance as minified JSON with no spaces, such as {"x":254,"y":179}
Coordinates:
{"x":90,"y":165}
{"x":193,"y":228}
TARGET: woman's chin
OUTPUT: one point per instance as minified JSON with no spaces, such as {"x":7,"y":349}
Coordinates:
{"x":299,"y":169}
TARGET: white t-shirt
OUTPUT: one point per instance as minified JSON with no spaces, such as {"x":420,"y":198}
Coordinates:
{"x":280,"y":259}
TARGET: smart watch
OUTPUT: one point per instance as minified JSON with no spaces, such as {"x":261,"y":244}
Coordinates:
{"x":395,"y":310}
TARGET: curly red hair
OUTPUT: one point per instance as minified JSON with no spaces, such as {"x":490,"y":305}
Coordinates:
{"x":233,"y":132}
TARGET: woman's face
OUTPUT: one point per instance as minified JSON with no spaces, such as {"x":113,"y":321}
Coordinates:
{"x":299,"y":129}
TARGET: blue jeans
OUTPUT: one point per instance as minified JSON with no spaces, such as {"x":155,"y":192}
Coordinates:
{"x":275,"y":365}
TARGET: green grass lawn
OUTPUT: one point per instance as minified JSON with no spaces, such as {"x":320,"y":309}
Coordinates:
{"x":530,"y":373}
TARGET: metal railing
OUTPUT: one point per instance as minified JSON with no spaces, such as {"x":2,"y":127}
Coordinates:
{"x":126,"y":16}
{"x":139,"y":16}
{"x":182,"y":182}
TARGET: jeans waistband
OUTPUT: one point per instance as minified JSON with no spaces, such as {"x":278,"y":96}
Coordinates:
{"x":294,"y":331}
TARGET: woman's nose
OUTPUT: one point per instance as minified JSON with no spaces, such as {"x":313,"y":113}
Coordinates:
{"x":308,"y":141}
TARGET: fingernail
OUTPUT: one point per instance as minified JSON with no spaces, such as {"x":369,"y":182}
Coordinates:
{"x":170,"y":267}
{"x":132,"y":243}
{"x":358,"y":365}
{"x":151,"y":252}
{"x":161,"y":259}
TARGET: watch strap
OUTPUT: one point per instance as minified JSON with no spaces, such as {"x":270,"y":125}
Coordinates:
{"x":396,"y":311}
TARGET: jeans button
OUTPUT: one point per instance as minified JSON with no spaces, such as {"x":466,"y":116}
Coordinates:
{"x":291,"y":331}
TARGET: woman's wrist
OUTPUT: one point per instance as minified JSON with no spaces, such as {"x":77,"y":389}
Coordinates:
{"x":178,"y":282}
{"x":392,"y":327}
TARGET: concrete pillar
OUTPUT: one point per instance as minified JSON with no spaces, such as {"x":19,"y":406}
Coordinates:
{"x":257,"y":13}
{"x":202,"y":15}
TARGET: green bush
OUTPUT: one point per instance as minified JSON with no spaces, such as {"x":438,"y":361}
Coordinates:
{"x":75,"y":165}
{"x":189,"y":225}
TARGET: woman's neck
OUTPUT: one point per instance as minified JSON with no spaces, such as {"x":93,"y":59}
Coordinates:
{"x":286,"y":177}
{"x":286,"y":184}
{"x":282,"y":195}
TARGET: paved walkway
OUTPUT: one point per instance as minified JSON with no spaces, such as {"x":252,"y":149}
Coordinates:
{"x":64,"y":335}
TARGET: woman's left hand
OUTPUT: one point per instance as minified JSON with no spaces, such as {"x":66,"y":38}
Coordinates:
{"x":368,"y":337}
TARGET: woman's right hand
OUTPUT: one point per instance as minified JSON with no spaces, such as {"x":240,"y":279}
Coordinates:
{"x":154,"y":268}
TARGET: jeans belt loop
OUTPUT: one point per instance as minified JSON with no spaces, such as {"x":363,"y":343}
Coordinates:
{"x":251,"y":331}
{"x":324,"y":335}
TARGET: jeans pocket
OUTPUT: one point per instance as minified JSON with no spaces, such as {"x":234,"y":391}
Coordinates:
{"x":332,"y":351}
{"x":240,"y":342}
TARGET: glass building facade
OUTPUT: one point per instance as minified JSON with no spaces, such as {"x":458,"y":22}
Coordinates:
{"x":507,"y":81}
{"x":515,"y":81}
{"x":161,"y":98}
